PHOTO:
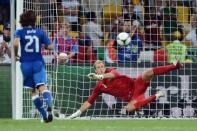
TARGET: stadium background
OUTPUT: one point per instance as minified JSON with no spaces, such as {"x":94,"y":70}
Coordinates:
{"x":185,"y":79}
{"x":6,"y":85}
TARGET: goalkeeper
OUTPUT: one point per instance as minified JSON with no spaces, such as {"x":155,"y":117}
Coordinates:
{"x":121,"y":86}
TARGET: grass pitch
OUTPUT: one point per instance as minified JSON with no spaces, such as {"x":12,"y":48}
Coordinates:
{"x":99,"y":125}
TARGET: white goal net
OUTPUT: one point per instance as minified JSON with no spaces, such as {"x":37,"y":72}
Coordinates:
{"x":92,"y":29}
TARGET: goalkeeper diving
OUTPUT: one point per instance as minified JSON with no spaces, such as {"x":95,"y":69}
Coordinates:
{"x":112,"y":82}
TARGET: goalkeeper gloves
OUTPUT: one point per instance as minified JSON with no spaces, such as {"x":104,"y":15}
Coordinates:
{"x":94,"y":76}
{"x":76,"y":114}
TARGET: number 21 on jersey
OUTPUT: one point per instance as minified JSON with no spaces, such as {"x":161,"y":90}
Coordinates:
{"x":30,"y":41}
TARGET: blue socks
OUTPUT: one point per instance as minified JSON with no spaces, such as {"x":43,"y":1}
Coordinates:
{"x":39,"y":105}
{"x":47,"y":97}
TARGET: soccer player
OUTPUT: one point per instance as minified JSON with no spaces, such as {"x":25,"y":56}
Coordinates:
{"x":121,"y":86}
{"x":31,"y":40}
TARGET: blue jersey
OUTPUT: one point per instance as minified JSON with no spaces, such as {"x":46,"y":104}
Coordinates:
{"x":31,"y":40}
{"x":130,"y":52}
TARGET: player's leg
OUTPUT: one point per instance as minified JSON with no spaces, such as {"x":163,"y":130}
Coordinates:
{"x":28,"y":82}
{"x":140,"y":101}
{"x":160,"y":70}
{"x":40,"y":81}
{"x":39,"y":105}
{"x":48,"y":100}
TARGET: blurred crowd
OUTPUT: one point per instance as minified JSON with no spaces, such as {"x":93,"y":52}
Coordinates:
{"x":86,"y":30}
{"x":5,"y":45}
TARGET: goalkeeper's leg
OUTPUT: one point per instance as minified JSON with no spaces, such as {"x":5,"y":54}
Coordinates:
{"x":140,"y":101}
{"x":40,"y":81}
{"x":160,"y":70}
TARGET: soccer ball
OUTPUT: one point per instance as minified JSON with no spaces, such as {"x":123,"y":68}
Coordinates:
{"x":63,"y":57}
{"x":123,"y":39}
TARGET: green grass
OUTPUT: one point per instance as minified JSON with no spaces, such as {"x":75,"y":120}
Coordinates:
{"x":99,"y":125}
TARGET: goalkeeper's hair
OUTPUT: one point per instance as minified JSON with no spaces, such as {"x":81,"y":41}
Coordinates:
{"x":97,"y":62}
{"x":28,"y":18}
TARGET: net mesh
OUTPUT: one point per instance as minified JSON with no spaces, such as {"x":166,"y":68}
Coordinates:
{"x":93,"y":25}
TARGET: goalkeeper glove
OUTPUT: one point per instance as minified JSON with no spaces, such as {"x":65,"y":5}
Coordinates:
{"x":94,"y":76}
{"x":76,"y":114}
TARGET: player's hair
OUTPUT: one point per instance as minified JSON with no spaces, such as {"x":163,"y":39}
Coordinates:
{"x":97,"y":62}
{"x":28,"y":18}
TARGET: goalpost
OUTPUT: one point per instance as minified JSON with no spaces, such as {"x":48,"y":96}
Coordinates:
{"x":69,"y":83}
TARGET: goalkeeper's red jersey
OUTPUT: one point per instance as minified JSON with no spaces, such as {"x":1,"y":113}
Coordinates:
{"x":121,"y":86}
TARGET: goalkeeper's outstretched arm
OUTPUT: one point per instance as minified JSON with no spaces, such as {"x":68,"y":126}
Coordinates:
{"x":83,"y":108}
{"x":94,"y":76}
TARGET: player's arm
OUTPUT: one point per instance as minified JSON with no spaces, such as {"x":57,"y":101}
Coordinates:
{"x":87,"y":104}
{"x":50,"y":47}
{"x":83,"y":108}
{"x":95,"y":76}
{"x":110,"y":75}
{"x":16,"y":44}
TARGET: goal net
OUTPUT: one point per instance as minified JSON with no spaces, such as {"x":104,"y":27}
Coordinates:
{"x":155,"y":23}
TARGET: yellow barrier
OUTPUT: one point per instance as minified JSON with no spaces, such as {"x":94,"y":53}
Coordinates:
{"x":111,"y":11}
{"x":183,"y":14}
